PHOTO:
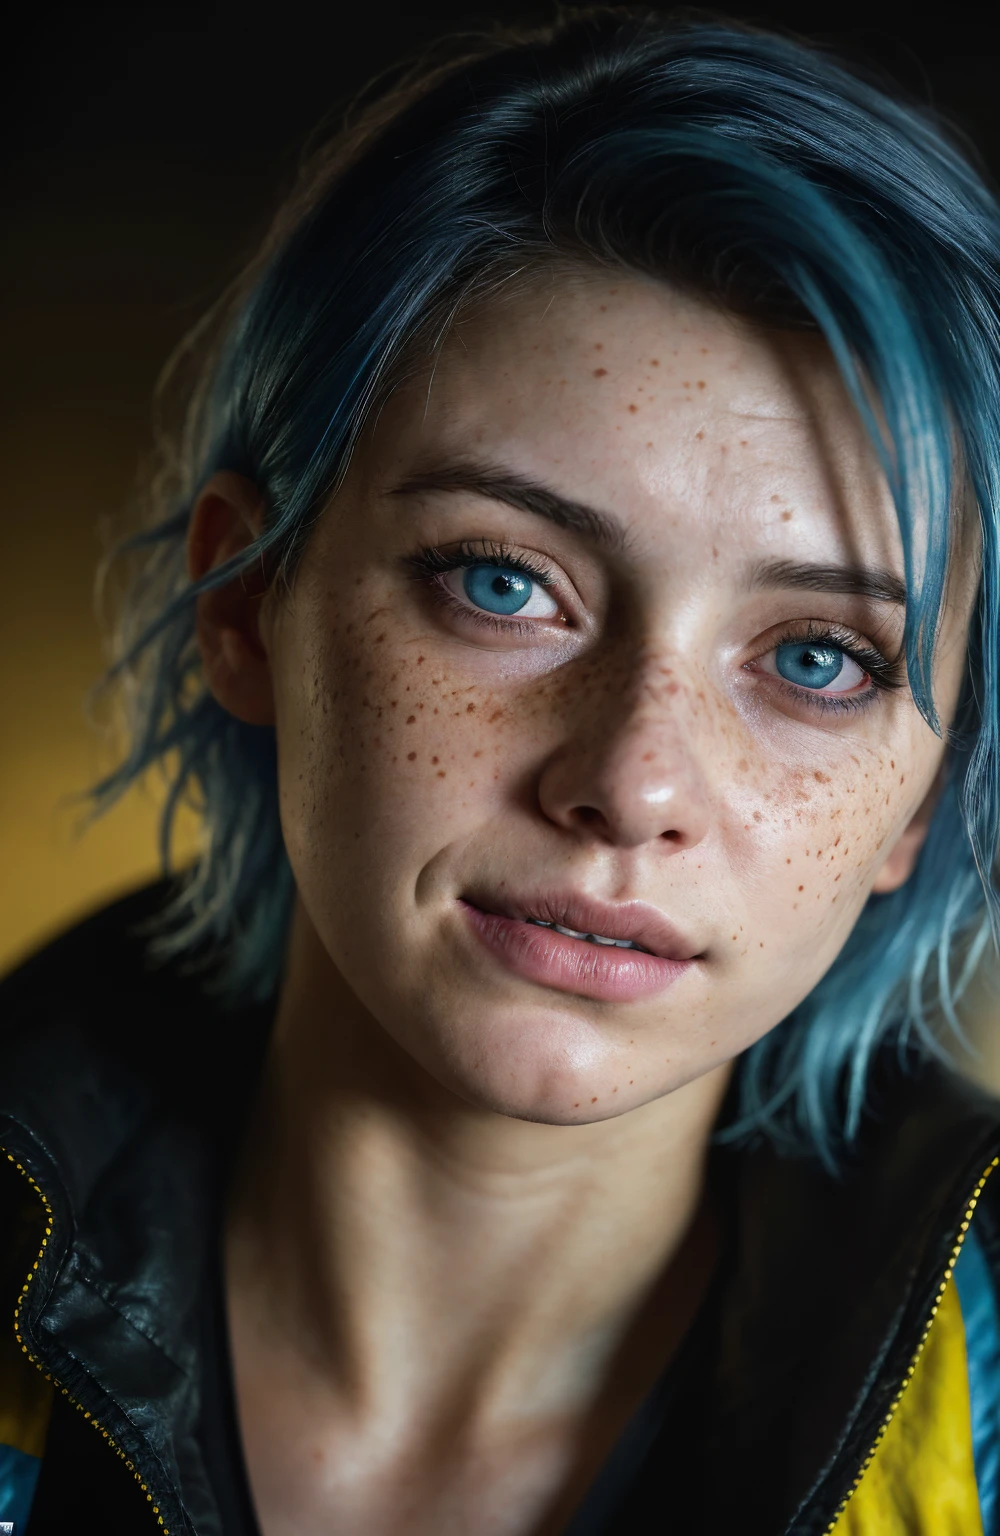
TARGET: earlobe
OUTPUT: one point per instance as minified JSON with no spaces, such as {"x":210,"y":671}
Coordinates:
{"x":225,"y":521}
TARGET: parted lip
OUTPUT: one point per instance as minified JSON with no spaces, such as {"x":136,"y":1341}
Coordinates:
{"x":638,"y":921}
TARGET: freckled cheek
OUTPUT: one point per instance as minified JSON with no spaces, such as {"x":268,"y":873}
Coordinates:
{"x":810,"y":840}
{"x":392,"y":737}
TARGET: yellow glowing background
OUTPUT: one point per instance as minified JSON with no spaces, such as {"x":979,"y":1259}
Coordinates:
{"x":61,"y":477}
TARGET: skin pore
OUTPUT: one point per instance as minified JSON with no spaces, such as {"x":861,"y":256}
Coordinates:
{"x":469,"y":1225}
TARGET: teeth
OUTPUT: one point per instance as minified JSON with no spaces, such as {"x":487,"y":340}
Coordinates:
{"x":589,"y":938}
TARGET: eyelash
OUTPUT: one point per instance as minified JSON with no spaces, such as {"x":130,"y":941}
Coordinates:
{"x":885,"y":675}
{"x":431,"y":564}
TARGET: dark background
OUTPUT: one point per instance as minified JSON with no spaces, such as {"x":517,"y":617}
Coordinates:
{"x":143,"y":150}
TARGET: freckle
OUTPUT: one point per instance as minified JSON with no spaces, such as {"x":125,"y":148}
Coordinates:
{"x":734,"y":938}
{"x":633,"y":409}
{"x":761,"y":944}
{"x":599,"y":373}
{"x":603,"y":308}
{"x":649,"y":445}
{"x":441,"y":774}
{"x":654,"y":362}
{"x":699,"y":436}
{"x":743,"y":442}
{"x":379,"y":639}
{"x":410,"y":719}
{"x":477,"y":754}
{"x":786,"y":517}
{"x":496,"y":715}
{"x":775,"y":498}
{"x":892,"y":762}
{"x":614,"y":1090}
{"x":435,"y":759}
{"x":788,"y":861}
{"x":393,"y":703}
{"x":577,"y":1104}
{"x":411,"y":757}
{"x":631,"y":1081}
{"x":593,"y":1101}
{"x":598,"y":346}
{"x":801,"y":887}
{"x":757,"y":816}
{"x":701,"y":383}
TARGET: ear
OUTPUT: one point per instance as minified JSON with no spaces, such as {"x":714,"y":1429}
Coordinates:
{"x":225,"y":521}
{"x":899,"y":866}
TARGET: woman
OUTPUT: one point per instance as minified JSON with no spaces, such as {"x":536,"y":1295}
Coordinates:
{"x":572,"y":606}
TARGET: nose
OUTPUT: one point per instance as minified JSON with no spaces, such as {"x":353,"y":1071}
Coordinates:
{"x":627,"y":774}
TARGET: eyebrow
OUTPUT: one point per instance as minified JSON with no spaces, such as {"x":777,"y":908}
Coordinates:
{"x":876,"y":584}
{"x":515,"y":490}
{"x":520,"y":491}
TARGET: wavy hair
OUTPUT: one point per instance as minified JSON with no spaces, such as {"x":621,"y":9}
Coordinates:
{"x":752,"y":169}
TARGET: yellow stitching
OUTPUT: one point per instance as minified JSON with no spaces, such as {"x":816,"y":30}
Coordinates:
{"x":38,"y":1364}
{"x":952,"y":1261}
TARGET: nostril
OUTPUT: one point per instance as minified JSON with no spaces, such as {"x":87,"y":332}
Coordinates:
{"x":671,"y":836}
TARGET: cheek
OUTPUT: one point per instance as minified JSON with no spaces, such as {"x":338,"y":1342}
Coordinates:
{"x":811,"y":840}
{"x":380,"y":742}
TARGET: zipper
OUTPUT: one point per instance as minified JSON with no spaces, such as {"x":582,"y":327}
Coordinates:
{"x":40,"y":1364}
{"x":911,"y":1368}
{"x":973,"y":1201}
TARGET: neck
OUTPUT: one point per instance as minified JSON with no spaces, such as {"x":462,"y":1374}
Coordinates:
{"x":419,"y":1255}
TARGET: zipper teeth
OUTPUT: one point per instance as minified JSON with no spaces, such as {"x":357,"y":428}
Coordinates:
{"x":25,"y":1289}
{"x":911,"y":1368}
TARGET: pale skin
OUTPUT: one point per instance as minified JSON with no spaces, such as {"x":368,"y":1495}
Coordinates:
{"x":469,"y":1226}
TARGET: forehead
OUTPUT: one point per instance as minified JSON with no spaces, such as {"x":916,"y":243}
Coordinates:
{"x":661,"y":409}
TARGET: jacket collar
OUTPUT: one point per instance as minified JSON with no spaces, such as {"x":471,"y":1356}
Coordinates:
{"x":122,"y":1094}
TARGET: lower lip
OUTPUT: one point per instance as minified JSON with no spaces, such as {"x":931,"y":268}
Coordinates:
{"x":573,"y":965}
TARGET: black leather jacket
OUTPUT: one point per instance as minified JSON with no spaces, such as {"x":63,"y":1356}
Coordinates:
{"x":122,"y":1090}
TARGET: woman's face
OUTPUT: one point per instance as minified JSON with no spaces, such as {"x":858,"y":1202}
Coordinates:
{"x":599,"y":632}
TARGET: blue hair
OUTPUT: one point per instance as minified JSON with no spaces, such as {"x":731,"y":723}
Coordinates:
{"x":751,"y":169}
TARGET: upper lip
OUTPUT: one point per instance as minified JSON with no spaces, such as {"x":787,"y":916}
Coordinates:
{"x":636,"y":920}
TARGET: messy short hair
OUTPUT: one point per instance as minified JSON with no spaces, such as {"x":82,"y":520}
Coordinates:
{"x":757,"y":171}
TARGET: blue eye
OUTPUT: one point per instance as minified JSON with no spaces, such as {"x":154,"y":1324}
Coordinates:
{"x":497,"y":588}
{"x":501,"y":590}
{"x":809,"y":665}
